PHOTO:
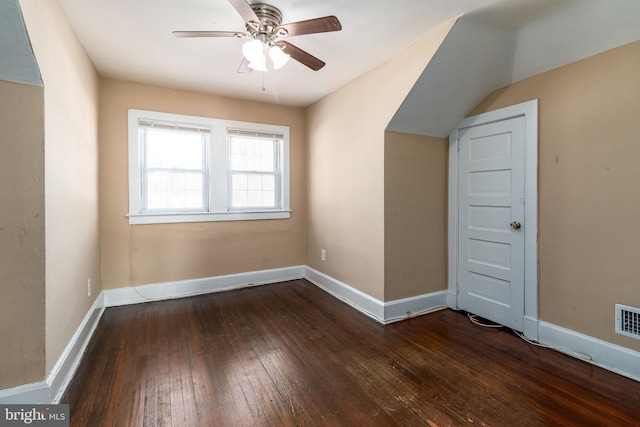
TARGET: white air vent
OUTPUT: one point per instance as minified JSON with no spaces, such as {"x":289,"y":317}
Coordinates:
{"x":628,"y":321}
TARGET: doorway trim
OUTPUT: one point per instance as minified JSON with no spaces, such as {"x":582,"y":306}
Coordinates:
{"x":528,"y":110}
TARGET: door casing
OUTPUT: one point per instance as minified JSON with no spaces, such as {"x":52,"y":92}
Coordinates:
{"x":528,"y":110}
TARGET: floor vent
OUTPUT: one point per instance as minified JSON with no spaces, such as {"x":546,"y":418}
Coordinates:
{"x":628,"y":321}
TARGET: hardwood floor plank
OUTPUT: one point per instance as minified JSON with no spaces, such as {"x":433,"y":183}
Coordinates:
{"x":289,"y":354}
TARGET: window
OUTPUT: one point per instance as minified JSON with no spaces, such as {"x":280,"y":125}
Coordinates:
{"x":192,"y":169}
{"x":174,"y":167}
{"x":254,"y":169}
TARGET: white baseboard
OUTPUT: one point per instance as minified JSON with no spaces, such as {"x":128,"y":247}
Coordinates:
{"x":618,"y":359}
{"x":612,"y":357}
{"x":452,"y":300}
{"x":68,"y":362}
{"x":52,"y":389}
{"x":530,"y":327}
{"x":31,"y":394}
{"x":186,"y":288}
{"x":606,"y":355}
{"x":401,"y":309}
{"x":362,"y":302}
{"x":383,"y":312}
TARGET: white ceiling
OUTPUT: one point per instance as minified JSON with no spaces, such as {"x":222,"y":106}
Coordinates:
{"x":493,"y":44}
{"x":132,"y":40}
{"x":480,"y":54}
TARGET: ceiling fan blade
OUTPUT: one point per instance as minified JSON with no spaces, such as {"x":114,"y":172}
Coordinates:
{"x":312,"y":26}
{"x":244,"y":9}
{"x":244,"y":66}
{"x":301,"y":56}
{"x":208,"y":34}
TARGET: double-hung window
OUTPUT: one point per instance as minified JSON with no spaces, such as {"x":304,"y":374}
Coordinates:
{"x":254,"y":169}
{"x":193,"y":169}
{"x":174,"y":167}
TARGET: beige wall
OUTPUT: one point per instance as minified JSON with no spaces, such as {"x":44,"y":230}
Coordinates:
{"x":71,"y":172}
{"x":589,"y":188}
{"x":345,"y":190}
{"x":143,"y":254}
{"x":22,"y":216}
{"x":415,"y":215}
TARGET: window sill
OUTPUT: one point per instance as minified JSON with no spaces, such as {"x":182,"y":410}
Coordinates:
{"x":168,"y":218}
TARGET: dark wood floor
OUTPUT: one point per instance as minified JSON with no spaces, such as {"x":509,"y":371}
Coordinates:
{"x":291,"y":355}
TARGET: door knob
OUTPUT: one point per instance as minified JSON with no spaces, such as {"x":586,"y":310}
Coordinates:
{"x":515,"y":225}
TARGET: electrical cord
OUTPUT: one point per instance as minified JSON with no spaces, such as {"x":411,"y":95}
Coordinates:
{"x":144,"y":298}
{"x":474,"y":319}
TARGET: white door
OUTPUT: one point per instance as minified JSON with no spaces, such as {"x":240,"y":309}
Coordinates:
{"x":491,"y":222}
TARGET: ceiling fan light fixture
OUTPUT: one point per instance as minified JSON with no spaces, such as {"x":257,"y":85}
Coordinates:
{"x":254,"y":51}
{"x":264,"y":26}
{"x":258,"y":65}
{"x":278,"y":57}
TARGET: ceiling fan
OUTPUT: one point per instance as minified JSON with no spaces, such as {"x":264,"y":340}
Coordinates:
{"x":265,"y":29}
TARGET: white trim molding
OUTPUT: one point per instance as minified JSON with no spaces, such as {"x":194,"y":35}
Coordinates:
{"x":68,"y":362}
{"x":32,"y":394}
{"x":186,"y":288}
{"x":406,"y":308}
{"x":528,"y":110}
{"x":611,"y":357}
{"x":52,"y":389}
{"x":383,"y":312}
{"x":362,"y":302}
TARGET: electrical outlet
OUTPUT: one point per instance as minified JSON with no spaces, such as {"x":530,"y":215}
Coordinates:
{"x":323,"y":255}
{"x":88,"y":288}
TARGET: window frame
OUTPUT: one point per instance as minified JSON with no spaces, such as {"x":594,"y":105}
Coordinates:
{"x":277,"y":173}
{"x":219,"y":191}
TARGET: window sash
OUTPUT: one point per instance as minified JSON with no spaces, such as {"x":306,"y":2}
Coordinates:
{"x":237,"y":193}
{"x":146,"y":170}
{"x":233,"y":136}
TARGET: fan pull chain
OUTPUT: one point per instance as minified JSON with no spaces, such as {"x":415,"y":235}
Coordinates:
{"x":264,"y":88}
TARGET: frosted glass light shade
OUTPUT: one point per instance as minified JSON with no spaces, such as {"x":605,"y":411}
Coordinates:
{"x":258,"y":65}
{"x":253,"y":51}
{"x":278,"y":57}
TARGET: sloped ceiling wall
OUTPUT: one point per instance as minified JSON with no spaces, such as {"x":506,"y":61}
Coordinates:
{"x":472,"y":61}
{"x":484,"y":52}
{"x":18,"y":63}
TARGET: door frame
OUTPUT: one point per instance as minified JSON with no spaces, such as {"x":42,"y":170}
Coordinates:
{"x":528,"y":110}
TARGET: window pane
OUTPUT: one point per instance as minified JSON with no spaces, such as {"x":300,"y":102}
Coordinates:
{"x":168,"y":159}
{"x":253,"y":190}
{"x":269,"y":198}
{"x":251,"y":154}
{"x":239,"y":145}
{"x":239,"y":162}
{"x":239,"y":182}
{"x":175,"y":190}
{"x":254,"y":182}
{"x":268,"y":183}
{"x":240,"y":199}
{"x":254,"y":198}
{"x":253,"y":147}
{"x":168,"y":149}
{"x":254,"y":171}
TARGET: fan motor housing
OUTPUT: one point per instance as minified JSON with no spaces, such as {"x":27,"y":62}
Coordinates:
{"x":270,"y":17}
